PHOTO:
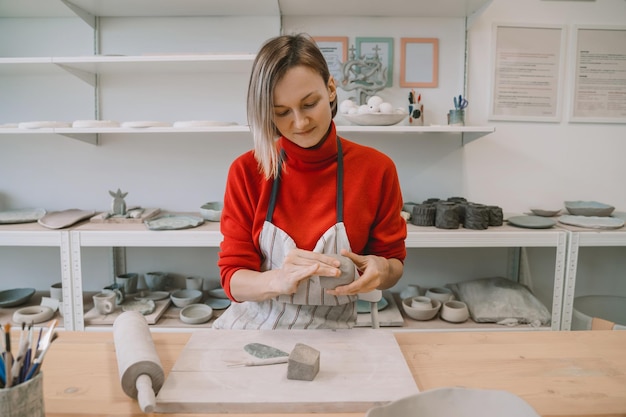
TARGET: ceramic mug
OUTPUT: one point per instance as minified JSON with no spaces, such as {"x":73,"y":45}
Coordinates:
{"x":128,"y":282}
{"x":118,"y":290}
{"x":194,"y":283}
{"x":104,"y":302}
{"x":156,"y":281}
{"x":56,"y":291}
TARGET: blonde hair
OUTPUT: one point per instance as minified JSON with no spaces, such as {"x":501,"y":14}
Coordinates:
{"x":274,"y":59}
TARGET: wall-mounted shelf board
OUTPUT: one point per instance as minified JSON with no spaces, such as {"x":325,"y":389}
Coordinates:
{"x":29,"y":234}
{"x":138,"y":8}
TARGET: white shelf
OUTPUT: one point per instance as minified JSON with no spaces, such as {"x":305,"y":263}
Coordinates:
{"x":29,"y":234}
{"x":139,"y":8}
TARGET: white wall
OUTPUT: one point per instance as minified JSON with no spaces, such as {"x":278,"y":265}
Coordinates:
{"x":520,"y":165}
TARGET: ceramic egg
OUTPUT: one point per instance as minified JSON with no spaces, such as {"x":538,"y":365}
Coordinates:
{"x":374,"y":108}
{"x":363,"y":109}
{"x":374,"y":101}
{"x":386,"y":108}
{"x":346,"y":105}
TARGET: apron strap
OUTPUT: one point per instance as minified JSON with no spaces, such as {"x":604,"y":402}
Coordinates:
{"x":276,"y":185}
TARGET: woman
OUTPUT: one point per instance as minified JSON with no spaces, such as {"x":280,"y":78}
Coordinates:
{"x":302,"y":194}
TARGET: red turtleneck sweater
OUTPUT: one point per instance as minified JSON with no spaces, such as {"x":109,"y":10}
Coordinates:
{"x":306,"y":203}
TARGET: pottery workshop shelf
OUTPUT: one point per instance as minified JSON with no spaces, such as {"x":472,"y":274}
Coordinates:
{"x":578,"y":238}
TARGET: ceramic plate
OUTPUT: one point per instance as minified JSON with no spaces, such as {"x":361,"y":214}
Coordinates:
{"x":15,"y":297}
{"x":196,"y":314}
{"x":143,"y":306}
{"x":363,"y":306}
{"x":173,"y":222}
{"x":95,"y":123}
{"x":588,"y":208}
{"x":217,"y":303}
{"x":545,"y":212}
{"x":21,"y":215}
{"x":65,"y":218}
{"x":145,"y":123}
{"x":532,"y":222}
{"x":375,"y":119}
{"x":153,"y":295}
{"x":202,"y":123}
{"x":44,"y":124}
{"x":592,"y":222}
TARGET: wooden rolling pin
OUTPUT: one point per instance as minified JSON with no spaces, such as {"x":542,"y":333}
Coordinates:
{"x":141,"y":373}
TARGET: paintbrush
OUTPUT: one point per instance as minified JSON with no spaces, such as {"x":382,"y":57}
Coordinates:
{"x":34,"y":369}
{"x":8,"y":358}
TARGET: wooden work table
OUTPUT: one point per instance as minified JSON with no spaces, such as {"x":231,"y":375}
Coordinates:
{"x":558,"y":373}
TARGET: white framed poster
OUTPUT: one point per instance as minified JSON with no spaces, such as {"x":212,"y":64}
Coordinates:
{"x":599,"y":84}
{"x":335,"y":51}
{"x":528,"y":63}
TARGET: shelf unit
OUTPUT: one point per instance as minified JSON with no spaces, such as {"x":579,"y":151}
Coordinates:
{"x":89,"y":68}
{"x":581,"y":237}
{"x":35,"y":235}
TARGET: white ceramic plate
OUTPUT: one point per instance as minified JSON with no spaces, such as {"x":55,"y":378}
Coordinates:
{"x":95,"y":123}
{"x":43,"y":124}
{"x":532,"y":222}
{"x":141,"y":124}
{"x":64,"y":218}
{"x":9,"y":125}
{"x":173,"y":222}
{"x":592,"y":222}
{"x":202,"y":123}
{"x":196,"y":314}
{"x":21,"y":215}
{"x":375,"y":119}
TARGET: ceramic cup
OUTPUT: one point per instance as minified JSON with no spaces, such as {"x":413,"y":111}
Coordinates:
{"x":128,"y":282}
{"x":421,"y":303}
{"x":442,"y":294}
{"x":194,"y":283}
{"x":118,"y":290}
{"x":56,"y":291}
{"x":104,"y":302}
{"x":156,"y":281}
{"x":454,"y":311}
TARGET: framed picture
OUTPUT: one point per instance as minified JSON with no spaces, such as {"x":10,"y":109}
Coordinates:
{"x":419,"y":62}
{"x":378,"y":48}
{"x":599,"y":84}
{"x":335,"y":50}
{"x":528,"y":67}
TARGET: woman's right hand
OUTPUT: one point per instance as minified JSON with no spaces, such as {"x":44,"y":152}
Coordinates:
{"x":301,"y":264}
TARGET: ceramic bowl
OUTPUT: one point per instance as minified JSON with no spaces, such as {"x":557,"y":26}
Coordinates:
{"x":196,"y":314}
{"x":182,"y":298}
{"x":589,"y":208}
{"x":376,"y":119}
{"x":15,"y":297}
{"x":543,"y":212}
{"x":419,"y":314}
{"x":442,"y":294}
{"x":212,"y":211}
{"x":457,"y":402}
{"x":454,"y":311}
{"x":218,"y":293}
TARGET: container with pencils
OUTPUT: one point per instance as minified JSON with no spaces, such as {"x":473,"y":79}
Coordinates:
{"x":23,"y":400}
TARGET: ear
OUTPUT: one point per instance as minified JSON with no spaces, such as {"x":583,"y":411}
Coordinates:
{"x":332,"y":88}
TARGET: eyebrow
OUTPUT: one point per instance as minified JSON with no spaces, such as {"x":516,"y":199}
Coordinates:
{"x":303,"y":99}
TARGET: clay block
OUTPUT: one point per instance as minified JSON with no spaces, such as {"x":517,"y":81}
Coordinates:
{"x":304,"y":363}
{"x":346,"y":277}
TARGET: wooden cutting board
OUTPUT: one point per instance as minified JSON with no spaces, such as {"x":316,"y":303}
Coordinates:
{"x":359,"y":369}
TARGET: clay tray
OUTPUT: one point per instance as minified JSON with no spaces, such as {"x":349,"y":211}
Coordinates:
{"x":147,"y":214}
{"x":92,"y":317}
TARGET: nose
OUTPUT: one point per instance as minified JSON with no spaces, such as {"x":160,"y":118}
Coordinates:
{"x":300,"y":119}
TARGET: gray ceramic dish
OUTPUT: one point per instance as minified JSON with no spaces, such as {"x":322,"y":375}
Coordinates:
{"x":15,"y":297}
{"x":589,"y":208}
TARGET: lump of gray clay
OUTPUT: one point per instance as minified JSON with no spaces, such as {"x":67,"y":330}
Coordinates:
{"x":347,"y":273}
{"x":304,"y":363}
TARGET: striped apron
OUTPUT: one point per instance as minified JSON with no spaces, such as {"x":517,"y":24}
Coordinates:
{"x":309,"y":307}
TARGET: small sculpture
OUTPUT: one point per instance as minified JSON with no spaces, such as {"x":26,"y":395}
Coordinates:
{"x":365,"y":74}
{"x":118,"y":205}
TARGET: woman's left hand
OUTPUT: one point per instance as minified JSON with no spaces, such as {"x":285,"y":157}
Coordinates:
{"x":376,"y":273}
